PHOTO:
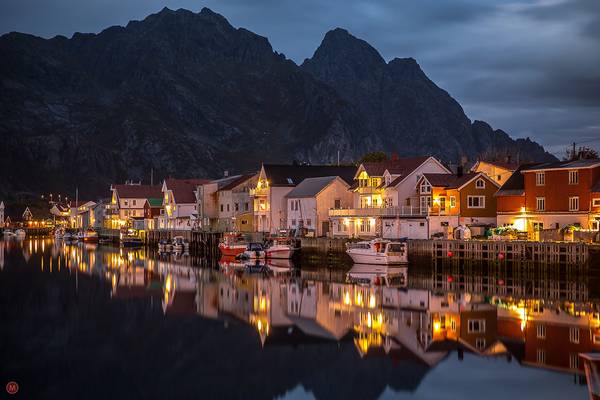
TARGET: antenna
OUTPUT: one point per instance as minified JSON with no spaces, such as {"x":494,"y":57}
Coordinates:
{"x":338,"y":158}
{"x":151,"y":176}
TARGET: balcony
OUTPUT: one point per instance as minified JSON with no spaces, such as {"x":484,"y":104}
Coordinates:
{"x":403,"y":211}
{"x":263,"y":191}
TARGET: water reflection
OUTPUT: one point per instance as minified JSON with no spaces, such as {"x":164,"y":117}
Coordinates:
{"x":537,"y":316}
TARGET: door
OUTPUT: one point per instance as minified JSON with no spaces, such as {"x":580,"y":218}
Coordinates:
{"x":325,"y":228}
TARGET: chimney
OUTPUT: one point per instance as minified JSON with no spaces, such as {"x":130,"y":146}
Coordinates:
{"x":459,"y":171}
{"x":226,"y":173}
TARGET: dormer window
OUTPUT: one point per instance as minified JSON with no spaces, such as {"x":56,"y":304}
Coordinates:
{"x":480,"y":183}
{"x":290,"y":181}
{"x":425,"y":187}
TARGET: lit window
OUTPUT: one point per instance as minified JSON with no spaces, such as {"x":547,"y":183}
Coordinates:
{"x":573,"y":177}
{"x":425,"y":187}
{"x":540,"y":203}
{"x":596,"y":203}
{"x":574,"y":203}
{"x":452,"y":201}
{"x":540,"y":178}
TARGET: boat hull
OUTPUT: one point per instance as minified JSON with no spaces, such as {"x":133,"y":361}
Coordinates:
{"x":376,"y":259}
{"x":232,"y":250}
{"x":280,"y":252}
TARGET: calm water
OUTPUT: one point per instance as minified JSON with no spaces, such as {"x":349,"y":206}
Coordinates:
{"x":98,"y":322}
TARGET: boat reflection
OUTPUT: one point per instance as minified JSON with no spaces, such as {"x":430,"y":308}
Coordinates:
{"x":541,"y":318}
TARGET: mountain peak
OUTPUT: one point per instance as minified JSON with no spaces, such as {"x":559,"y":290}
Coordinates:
{"x":339,"y":45}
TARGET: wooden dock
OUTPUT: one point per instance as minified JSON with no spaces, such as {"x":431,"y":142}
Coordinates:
{"x":201,"y":243}
{"x":540,"y":252}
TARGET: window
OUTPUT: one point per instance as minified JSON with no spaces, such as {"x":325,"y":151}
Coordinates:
{"x":337,"y":203}
{"x":425,"y":187}
{"x":308,"y":222}
{"x":499,"y":178}
{"x":541,"y":331}
{"x":540,"y":178}
{"x":476,"y":326}
{"x":227,"y":207}
{"x":221,"y":207}
{"x":574,"y":361}
{"x":480,"y":183}
{"x":453,"y":325}
{"x":246,"y":206}
{"x":134,"y":202}
{"x":293,"y":222}
{"x":126,"y":202}
{"x":442,"y":204}
{"x":574,"y":335}
{"x":573,"y":177}
{"x":538,"y":226}
{"x":480,"y":343}
{"x":540,"y":203}
{"x":595,"y":225}
{"x":596,"y":338}
{"x":452,"y":201}
{"x":365,"y":225}
{"x":237,"y":207}
{"x":596,"y":202}
{"x":574,"y":203}
{"x":541,"y":356}
{"x":476,"y":201}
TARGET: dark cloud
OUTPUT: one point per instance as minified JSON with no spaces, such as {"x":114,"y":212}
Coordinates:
{"x":529,"y":67}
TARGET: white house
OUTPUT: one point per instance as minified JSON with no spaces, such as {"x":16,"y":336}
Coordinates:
{"x":308,"y":204}
{"x":385,"y":200}
{"x":180,"y":203}
{"x":276,"y":181}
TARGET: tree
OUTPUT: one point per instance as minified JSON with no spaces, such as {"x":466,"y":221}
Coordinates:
{"x":584,"y":153}
{"x":374,"y":156}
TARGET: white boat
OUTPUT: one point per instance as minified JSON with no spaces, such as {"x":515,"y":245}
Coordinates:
{"x":20,"y":233}
{"x":377,"y":275}
{"x":254,"y":251}
{"x":378,"y":251}
{"x":283,"y":248}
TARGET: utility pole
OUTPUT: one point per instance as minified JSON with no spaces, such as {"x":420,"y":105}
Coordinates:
{"x":151,"y":176}
{"x":573,"y":156}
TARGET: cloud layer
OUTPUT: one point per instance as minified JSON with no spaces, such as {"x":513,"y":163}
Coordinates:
{"x":529,"y":67}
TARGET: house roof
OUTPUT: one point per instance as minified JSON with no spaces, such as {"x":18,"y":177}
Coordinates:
{"x":506,"y":165}
{"x":563,"y":165}
{"x":310,"y":187}
{"x":183,"y":189}
{"x":155,"y":201}
{"x":401,"y":166}
{"x":137,"y":191}
{"x":515,"y":184}
{"x":449,"y":181}
{"x":237,"y":181}
{"x":292,"y":175}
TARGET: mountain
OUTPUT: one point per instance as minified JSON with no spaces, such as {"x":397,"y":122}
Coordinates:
{"x":404,"y":108}
{"x":187,"y":94}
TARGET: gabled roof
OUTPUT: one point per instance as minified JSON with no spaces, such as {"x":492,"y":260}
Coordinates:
{"x":183,"y":189}
{"x":579,"y":164}
{"x":515,"y":185}
{"x":310,"y":187}
{"x":506,"y":165}
{"x":292,"y":175}
{"x":449,"y":181}
{"x":155,"y":202}
{"x":137,"y":191}
{"x":237,"y":181}
{"x":401,"y":166}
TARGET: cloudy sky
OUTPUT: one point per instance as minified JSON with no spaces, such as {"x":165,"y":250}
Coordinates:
{"x":529,"y":67}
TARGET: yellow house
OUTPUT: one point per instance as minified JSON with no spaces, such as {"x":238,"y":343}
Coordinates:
{"x":497,"y":170}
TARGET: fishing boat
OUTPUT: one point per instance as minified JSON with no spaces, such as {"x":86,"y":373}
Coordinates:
{"x":130,"y":238}
{"x":282,"y":247}
{"x":232,"y":244}
{"x":369,"y":275}
{"x":20,"y":233}
{"x":90,"y":236}
{"x":59,"y":233}
{"x":591,"y":365}
{"x":254,"y":251}
{"x":378,"y":251}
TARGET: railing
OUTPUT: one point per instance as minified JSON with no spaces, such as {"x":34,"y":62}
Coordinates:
{"x":259,"y":192}
{"x":403,"y":211}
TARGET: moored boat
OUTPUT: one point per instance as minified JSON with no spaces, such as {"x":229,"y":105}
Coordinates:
{"x":378,"y":251}
{"x":591,"y":365}
{"x":254,"y":251}
{"x":232,"y":244}
{"x":283,"y":248}
{"x":130,"y":238}
{"x":90,"y":236}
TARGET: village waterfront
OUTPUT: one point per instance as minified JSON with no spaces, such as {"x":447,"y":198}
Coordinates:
{"x":127,"y":321}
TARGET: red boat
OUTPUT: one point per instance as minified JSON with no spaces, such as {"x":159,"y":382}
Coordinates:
{"x":232,"y":244}
{"x":90,"y":236}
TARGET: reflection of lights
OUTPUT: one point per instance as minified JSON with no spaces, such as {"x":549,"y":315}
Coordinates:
{"x":358,"y":300}
{"x":263,"y":304}
{"x":436,"y":326}
{"x":347,"y":298}
{"x":114,"y":281}
{"x":369,"y":319}
{"x":372,"y":301}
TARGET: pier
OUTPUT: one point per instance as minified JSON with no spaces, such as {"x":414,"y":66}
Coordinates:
{"x":205,"y":243}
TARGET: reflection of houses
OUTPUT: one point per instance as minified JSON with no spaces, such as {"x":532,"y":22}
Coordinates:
{"x":461,"y":199}
{"x":136,"y":282}
{"x":385,"y":200}
{"x":553,"y":337}
{"x":276,"y":181}
{"x":1,"y":214}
